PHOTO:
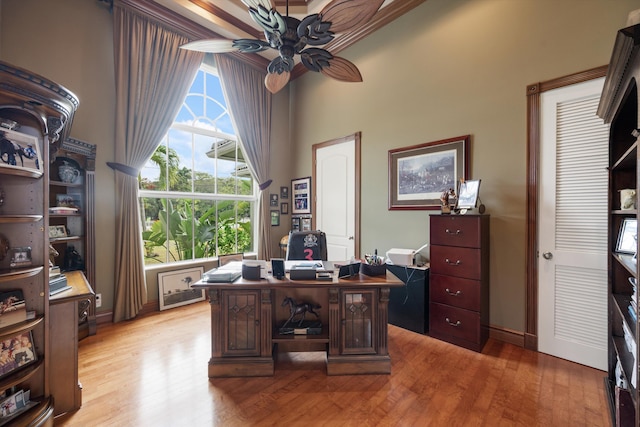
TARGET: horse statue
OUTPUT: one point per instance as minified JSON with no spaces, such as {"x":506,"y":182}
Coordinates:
{"x":299,"y":309}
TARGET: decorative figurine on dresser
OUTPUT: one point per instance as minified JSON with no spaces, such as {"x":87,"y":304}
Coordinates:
{"x":459,"y":279}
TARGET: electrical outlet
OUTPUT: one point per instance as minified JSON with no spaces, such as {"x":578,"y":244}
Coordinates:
{"x":98,"y":300}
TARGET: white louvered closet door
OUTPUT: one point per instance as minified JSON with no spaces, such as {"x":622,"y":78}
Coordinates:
{"x":572,"y":259}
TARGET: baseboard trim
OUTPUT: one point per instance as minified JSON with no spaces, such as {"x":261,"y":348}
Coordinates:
{"x":104,"y":318}
{"x":507,"y":335}
{"x":150,"y":307}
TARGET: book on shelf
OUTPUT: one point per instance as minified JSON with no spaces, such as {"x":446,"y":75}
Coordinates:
{"x":63,"y":210}
{"x":14,"y":404}
{"x":632,"y":312}
{"x":54,"y":272}
{"x":13,"y":308}
{"x":58,"y":284}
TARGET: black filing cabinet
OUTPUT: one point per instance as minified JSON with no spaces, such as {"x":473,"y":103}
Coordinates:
{"x":409,"y":304}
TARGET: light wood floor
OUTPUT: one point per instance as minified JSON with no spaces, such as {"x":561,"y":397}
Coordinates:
{"x":153,"y":372}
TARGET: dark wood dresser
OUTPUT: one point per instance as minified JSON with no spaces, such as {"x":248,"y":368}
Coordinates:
{"x":459,"y":279}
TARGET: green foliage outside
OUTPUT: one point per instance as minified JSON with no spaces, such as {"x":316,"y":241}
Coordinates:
{"x":184,"y":229}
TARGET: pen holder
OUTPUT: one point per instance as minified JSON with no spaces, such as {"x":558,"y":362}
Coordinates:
{"x":373,"y":270}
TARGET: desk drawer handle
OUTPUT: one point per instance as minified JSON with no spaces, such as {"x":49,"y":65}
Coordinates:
{"x":453,"y":233}
{"x":455,"y":325}
{"x":455,"y":264}
{"x":456,"y":294}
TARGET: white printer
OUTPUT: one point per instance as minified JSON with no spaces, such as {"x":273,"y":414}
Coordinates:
{"x":408,"y":257}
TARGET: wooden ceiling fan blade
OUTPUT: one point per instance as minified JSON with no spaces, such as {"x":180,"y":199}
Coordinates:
{"x":347,"y":14}
{"x":211,"y":45}
{"x":343,"y":70}
{"x":276,"y":81}
{"x":267,"y":4}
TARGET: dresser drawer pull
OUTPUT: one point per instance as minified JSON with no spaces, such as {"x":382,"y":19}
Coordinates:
{"x":453,"y":294}
{"x":455,"y":264}
{"x":455,"y":325}
{"x":453,"y":233}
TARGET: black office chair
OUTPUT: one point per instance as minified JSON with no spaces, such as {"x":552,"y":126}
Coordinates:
{"x":307,"y":245}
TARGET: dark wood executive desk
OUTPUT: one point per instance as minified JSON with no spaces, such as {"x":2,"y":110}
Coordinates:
{"x":246,"y":317}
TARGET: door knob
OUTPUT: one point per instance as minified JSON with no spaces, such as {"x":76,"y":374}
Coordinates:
{"x":547,"y":255}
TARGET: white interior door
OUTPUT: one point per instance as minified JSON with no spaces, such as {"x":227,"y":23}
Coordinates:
{"x":335,"y":182}
{"x":572,"y":259}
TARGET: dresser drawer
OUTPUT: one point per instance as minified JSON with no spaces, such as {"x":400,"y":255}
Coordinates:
{"x":455,"y":291}
{"x":454,"y":261}
{"x":445,"y":320}
{"x":456,"y":230}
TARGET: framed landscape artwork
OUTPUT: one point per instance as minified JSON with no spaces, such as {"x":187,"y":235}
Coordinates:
{"x":419,"y":174}
{"x":174,"y":287}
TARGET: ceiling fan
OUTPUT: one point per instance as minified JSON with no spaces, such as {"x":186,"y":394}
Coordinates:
{"x":291,"y":36}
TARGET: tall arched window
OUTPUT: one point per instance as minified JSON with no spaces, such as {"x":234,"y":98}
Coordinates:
{"x":197,"y":197}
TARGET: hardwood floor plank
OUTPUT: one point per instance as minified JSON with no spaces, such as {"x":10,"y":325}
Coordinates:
{"x":153,"y":371}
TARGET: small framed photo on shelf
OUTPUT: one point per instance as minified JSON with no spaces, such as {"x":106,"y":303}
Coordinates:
{"x":468,"y":193}
{"x":20,"y":151}
{"x":68,"y":200}
{"x":306,"y":224}
{"x":295,"y":223}
{"x":275,"y":218}
{"x":17,"y":352}
{"x":628,"y":237}
{"x":20,"y":257}
{"x":57,"y":231}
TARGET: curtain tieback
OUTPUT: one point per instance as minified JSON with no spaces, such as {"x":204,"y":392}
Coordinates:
{"x":265,"y":185}
{"x":123,"y":168}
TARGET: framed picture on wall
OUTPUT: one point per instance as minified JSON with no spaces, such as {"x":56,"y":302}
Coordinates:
{"x":419,"y":174}
{"x":275,"y":218}
{"x":301,"y":193}
{"x":284,"y":192}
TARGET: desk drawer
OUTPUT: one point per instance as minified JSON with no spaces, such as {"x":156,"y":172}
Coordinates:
{"x":455,"y":291}
{"x":456,"y":230}
{"x":455,"y":322}
{"x":458,"y":262}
